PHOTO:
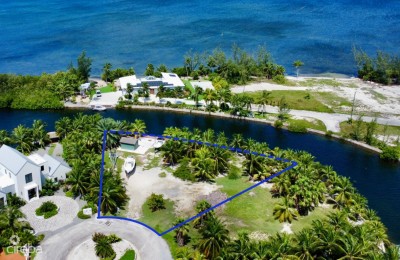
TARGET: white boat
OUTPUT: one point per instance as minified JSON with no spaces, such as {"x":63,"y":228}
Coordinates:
{"x":99,"y":108}
{"x":129,"y":165}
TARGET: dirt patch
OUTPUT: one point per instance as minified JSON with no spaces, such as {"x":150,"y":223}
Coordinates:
{"x":142,"y":183}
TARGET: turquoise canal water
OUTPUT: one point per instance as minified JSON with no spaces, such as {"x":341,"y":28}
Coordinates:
{"x":378,"y":181}
{"x":45,"y":36}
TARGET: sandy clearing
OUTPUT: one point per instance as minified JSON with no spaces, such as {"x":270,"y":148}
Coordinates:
{"x":142,"y":183}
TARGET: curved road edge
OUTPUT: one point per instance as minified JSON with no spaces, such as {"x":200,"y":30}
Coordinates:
{"x":60,"y":244}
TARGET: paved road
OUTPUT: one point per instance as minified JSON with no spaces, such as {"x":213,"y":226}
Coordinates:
{"x":59,"y":245}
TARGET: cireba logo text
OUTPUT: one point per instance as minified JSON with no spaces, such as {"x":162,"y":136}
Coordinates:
{"x":26,"y":249}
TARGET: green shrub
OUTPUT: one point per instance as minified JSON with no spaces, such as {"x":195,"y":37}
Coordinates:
{"x":278,"y":124}
{"x":390,"y":153}
{"x":183,"y":171}
{"x":279,"y":79}
{"x":82,"y":216}
{"x":297,"y":127}
{"x":69,"y":194}
{"x":48,"y":209}
{"x":328,"y":133}
{"x":162,"y":174}
{"x":156,"y":202}
{"x":234,"y":172}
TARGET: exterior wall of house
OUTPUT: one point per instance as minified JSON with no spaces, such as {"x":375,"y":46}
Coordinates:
{"x":60,"y":173}
{"x":20,"y":183}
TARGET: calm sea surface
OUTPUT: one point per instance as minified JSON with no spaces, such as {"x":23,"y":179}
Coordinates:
{"x":378,"y":181}
{"x":45,"y":36}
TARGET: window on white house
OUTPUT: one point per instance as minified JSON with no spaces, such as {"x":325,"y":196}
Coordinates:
{"x":2,"y":202}
{"x":28,"y":178}
{"x":42,"y":168}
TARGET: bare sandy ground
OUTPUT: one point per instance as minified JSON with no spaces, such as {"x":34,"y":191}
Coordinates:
{"x":142,"y":183}
{"x":369,"y":96}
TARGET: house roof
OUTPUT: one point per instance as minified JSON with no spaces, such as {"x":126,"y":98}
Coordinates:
{"x":172,"y":79}
{"x":84,"y":86}
{"x":54,"y":163}
{"x":12,"y":159}
{"x":37,"y":159}
{"x":128,"y":79}
{"x":128,"y":140}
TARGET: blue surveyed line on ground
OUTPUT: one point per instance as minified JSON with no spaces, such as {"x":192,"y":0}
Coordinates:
{"x":294,"y":164}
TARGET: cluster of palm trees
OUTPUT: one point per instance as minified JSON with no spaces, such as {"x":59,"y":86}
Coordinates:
{"x":82,"y":142}
{"x":12,"y":223}
{"x":351,"y":231}
{"x":26,"y":139}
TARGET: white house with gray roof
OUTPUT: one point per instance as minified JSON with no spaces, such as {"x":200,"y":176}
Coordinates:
{"x":18,"y":175}
{"x":24,"y":175}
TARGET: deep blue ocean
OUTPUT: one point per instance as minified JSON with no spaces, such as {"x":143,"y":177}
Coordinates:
{"x":45,"y":36}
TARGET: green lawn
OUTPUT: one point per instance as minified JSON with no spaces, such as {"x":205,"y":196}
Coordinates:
{"x":319,"y":82}
{"x":346,"y":129}
{"x":51,"y":149}
{"x":160,"y":220}
{"x":129,"y":255}
{"x":255,"y":213}
{"x":107,"y":89}
{"x":315,"y":124}
{"x":297,"y":99}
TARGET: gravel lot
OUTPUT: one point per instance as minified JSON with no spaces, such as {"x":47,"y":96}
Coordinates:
{"x":68,"y":210}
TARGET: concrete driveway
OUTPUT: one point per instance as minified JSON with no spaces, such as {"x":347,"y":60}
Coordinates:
{"x":59,"y":245}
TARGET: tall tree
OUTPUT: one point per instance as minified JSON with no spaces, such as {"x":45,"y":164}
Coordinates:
{"x":297,"y":64}
{"x":214,"y":238}
{"x":84,"y":67}
{"x":22,"y":136}
{"x":106,"y":72}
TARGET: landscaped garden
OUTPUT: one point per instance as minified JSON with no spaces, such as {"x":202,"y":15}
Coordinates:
{"x":48,"y":209}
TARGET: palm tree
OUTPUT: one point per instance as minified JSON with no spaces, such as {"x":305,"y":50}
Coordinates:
{"x":237,"y":141}
{"x":241,"y":248}
{"x":22,"y":136}
{"x":281,"y":186}
{"x":103,"y":248}
{"x":181,"y":232}
{"x":285,"y":212}
{"x":138,"y":127}
{"x":4,"y":137}
{"x":113,"y":196}
{"x":306,"y":244}
{"x":297,"y":64}
{"x":281,"y":247}
{"x":203,"y":165}
{"x":63,"y":127}
{"x":106,"y":71}
{"x":200,"y":207}
{"x":197,"y":92}
{"x":343,"y":192}
{"x":10,"y":219}
{"x":263,"y":100}
{"x":77,"y":179}
{"x":172,"y":151}
{"x":107,"y":124}
{"x":39,"y":133}
{"x":209,"y":96}
{"x":214,"y":238}
{"x":351,"y":249}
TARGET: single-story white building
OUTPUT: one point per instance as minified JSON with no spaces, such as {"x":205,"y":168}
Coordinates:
{"x":25,"y":175}
{"x":168,"y":80}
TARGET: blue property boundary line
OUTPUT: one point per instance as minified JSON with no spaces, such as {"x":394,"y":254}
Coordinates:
{"x":294,"y":164}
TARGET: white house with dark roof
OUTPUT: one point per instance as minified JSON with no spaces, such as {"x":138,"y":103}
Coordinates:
{"x":24,"y":175}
